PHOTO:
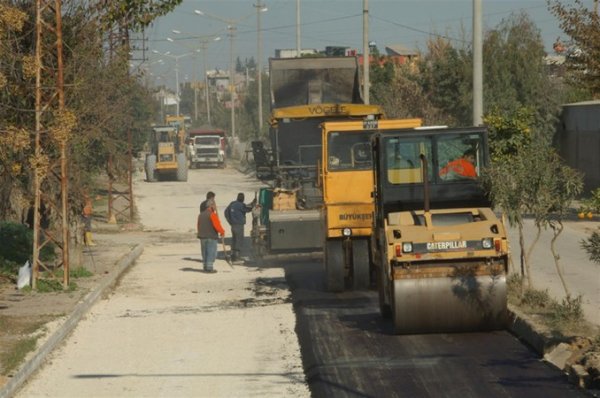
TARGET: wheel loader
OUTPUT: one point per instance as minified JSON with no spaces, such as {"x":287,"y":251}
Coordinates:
{"x":167,"y":159}
{"x":439,"y":250}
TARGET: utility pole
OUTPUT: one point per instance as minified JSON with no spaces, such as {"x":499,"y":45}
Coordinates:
{"x":203,"y":46}
{"x":259,"y":9}
{"x":298,"y":46}
{"x":177,"y":85}
{"x":195,"y":86}
{"x":366,"y":52}
{"x":231,"y":29}
{"x":50,"y":141}
{"x":477,"y":65}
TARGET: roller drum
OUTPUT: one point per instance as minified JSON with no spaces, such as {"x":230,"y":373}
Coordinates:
{"x":438,"y":305}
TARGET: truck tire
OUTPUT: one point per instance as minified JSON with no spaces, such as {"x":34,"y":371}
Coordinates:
{"x":150,"y":167}
{"x":360,"y":264}
{"x":182,"y":170}
{"x":334,"y":265}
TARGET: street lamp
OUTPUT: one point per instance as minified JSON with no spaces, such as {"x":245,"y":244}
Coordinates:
{"x":260,"y":8}
{"x":203,"y":47}
{"x":176,"y":58}
{"x":231,"y":28}
{"x":204,"y":41}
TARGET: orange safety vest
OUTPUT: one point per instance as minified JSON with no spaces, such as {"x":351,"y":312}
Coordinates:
{"x":461,"y":167}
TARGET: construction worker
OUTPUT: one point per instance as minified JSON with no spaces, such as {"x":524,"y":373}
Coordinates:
{"x":86,"y":215}
{"x":460,"y":168}
{"x":209,"y":230}
{"x":235,"y":214}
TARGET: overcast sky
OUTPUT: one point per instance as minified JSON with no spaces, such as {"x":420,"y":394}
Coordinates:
{"x":322,"y":23}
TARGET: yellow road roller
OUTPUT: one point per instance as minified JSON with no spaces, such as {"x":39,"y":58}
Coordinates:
{"x":439,"y":251}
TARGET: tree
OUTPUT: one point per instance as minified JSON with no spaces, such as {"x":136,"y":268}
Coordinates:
{"x":507,"y":177}
{"x":106,"y":101}
{"x":444,"y":75}
{"x":582,"y":25}
{"x":515,"y":75}
{"x":15,"y":144}
{"x":592,"y":246}
{"x":528,"y":177}
{"x":133,"y":14}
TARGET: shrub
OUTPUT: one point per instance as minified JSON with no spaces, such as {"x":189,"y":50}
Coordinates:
{"x":592,"y":246}
{"x":537,"y":299}
{"x":593,"y":203}
{"x":17,"y":244}
{"x":567,"y":313}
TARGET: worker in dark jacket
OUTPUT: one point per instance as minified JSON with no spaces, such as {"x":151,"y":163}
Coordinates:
{"x":209,"y":231}
{"x":235,"y":214}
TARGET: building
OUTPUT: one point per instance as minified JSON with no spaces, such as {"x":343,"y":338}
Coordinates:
{"x":293,"y":53}
{"x":578,"y":140}
{"x":400,"y":54}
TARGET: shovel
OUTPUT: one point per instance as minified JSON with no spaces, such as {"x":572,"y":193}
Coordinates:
{"x":226,"y":253}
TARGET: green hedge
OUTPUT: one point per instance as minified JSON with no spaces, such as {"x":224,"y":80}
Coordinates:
{"x":16,"y":246}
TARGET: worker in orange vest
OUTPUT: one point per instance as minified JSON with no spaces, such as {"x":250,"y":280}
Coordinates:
{"x":86,"y":214}
{"x":462,"y":167}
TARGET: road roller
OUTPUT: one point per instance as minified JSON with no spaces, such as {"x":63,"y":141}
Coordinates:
{"x":439,"y":251}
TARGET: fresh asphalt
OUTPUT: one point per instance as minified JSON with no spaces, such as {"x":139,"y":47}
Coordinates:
{"x":349,"y":350}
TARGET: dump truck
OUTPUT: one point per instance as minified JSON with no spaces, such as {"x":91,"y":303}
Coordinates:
{"x":439,"y":250}
{"x":167,"y":158}
{"x":347,"y":212}
{"x":305,"y":92}
{"x":207,"y":147}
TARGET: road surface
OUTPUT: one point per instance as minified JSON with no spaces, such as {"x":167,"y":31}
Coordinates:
{"x":264,"y":329}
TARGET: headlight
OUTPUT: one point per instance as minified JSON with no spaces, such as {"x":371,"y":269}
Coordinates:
{"x":487,"y":243}
{"x":346,"y":232}
{"x":407,"y":247}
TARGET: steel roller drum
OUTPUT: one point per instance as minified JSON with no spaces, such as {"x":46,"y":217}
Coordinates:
{"x":438,"y":305}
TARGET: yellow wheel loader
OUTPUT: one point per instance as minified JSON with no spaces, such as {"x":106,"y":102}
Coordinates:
{"x":167,"y":159}
{"x":439,"y":251}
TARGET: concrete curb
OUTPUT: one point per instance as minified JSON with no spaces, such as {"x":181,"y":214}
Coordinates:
{"x":67,"y":327}
{"x":553,"y":351}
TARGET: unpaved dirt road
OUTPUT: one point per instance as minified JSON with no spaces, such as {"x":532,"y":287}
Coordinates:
{"x":170,"y":330}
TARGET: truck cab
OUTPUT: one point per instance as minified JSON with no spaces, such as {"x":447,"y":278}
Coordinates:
{"x":207,"y":147}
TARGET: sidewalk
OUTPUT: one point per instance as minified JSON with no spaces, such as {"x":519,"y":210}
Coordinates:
{"x":581,"y":274}
{"x":60,"y":312}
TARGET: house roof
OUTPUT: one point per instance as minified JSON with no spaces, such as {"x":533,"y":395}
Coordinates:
{"x":399,"y":49}
{"x":584,"y":103}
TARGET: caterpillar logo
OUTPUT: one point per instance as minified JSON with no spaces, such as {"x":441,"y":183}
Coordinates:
{"x":355,"y":217}
{"x":451,"y":245}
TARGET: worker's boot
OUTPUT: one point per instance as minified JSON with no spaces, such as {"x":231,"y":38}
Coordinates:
{"x":88,"y":239}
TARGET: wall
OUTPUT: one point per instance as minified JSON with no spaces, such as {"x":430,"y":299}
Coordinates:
{"x":578,"y":140}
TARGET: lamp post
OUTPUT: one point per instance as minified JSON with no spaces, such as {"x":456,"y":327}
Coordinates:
{"x":231,"y":28}
{"x":298,"y":45}
{"x":176,"y":58}
{"x":477,"y":65}
{"x":204,"y":42}
{"x":366,"y":53}
{"x":260,"y":8}
{"x":203,"y":47}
